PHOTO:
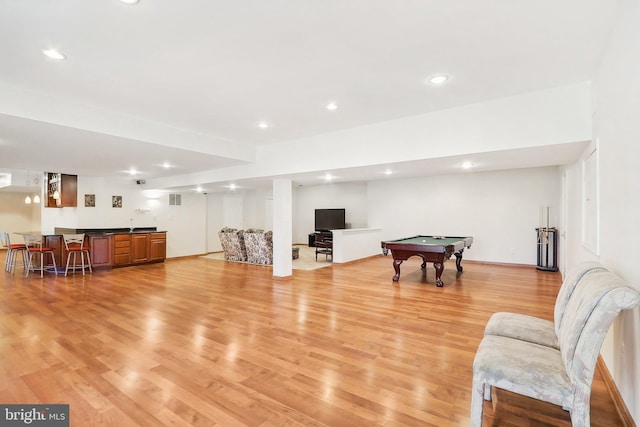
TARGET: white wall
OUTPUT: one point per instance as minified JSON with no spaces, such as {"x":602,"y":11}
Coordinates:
{"x":617,"y":130}
{"x":185,"y":224}
{"x":103,"y":215}
{"x":16,"y":216}
{"x":214,"y":221}
{"x":233,"y":209}
{"x":264,"y":208}
{"x":104,"y":212}
{"x":258,"y":205}
{"x":350,"y":196}
{"x":500,"y":210}
{"x":254,"y":212}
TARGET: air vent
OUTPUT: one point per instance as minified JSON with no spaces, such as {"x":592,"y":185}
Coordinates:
{"x":175,"y":199}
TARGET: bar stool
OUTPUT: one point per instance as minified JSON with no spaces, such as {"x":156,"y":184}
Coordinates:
{"x":75,"y":245}
{"x":34,"y":246}
{"x":12,"y":252}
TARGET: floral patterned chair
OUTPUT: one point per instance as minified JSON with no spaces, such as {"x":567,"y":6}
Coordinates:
{"x":233,"y":245}
{"x":259,"y":246}
{"x":560,"y":375}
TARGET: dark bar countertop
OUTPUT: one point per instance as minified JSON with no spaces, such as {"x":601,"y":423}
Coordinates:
{"x":104,"y":231}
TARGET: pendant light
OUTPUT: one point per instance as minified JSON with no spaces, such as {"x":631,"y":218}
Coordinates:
{"x":36,"y":197}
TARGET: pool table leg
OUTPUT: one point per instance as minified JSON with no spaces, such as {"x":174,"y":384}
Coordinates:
{"x":396,"y":267}
{"x":458,"y":260}
{"x":439,"y":269}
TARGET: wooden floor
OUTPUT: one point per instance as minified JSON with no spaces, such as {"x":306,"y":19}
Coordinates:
{"x":201,"y":342}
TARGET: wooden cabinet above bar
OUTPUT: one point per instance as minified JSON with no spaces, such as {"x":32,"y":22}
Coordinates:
{"x":61,"y":190}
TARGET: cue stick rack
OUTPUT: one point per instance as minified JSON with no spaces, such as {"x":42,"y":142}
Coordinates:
{"x":547,"y":259}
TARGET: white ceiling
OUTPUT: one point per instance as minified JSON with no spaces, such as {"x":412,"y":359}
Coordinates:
{"x":217,"y":68}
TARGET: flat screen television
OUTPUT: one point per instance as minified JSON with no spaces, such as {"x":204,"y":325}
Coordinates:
{"x":330,"y":219}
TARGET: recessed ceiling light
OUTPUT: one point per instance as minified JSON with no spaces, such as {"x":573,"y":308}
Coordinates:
{"x":328,"y":177}
{"x":132,"y":171}
{"x":129,"y":1}
{"x":166,"y":165}
{"x":53,"y":54}
{"x":332,"y":106}
{"x":263,"y":125}
{"x":232,"y":187}
{"x":439,"y":79}
{"x":467,"y":165}
{"x":388,"y":172}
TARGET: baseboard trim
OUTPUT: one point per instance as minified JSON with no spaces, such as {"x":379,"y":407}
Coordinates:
{"x":623,"y":412}
{"x":178,"y":258}
{"x":500,"y":264}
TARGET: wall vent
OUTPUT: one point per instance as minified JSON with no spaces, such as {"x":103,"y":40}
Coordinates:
{"x":175,"y":199}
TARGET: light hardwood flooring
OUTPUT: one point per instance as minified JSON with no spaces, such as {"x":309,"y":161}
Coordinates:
{"x":201,"y":342}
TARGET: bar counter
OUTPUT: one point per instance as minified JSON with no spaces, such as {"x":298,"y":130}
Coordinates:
{"x":103,"y":231}
{"x":113,"y":247}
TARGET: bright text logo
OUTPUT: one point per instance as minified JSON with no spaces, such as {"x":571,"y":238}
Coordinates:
{"x":34,"y":415}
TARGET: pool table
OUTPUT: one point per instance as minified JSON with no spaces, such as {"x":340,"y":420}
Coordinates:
{"x":435,"y":249}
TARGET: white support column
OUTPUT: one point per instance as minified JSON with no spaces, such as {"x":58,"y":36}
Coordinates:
{"x":282,"y":227}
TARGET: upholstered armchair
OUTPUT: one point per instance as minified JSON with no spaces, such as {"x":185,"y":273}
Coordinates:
{"x":259,"y":246}
{"x":536,"y":330}
{"x":560,"y":374}
{"x":232,"y":242}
